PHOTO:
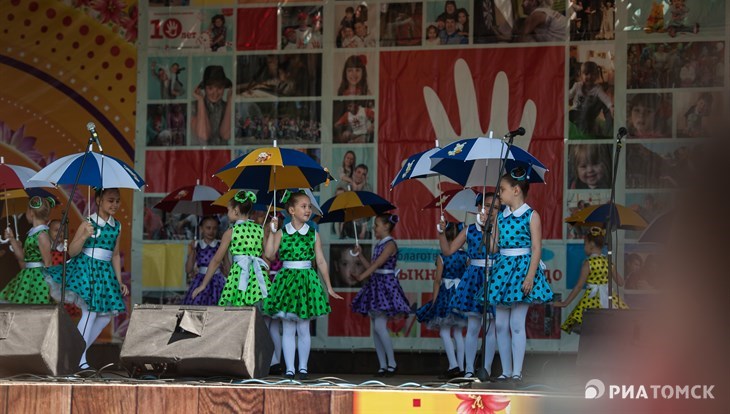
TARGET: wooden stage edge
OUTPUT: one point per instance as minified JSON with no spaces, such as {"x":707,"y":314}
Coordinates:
{"x":65,"y":395}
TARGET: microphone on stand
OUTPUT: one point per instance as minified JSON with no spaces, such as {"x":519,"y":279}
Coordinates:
{"x":622,"y":132}
{"x":512,"y":134}
{"x":94,"y":136}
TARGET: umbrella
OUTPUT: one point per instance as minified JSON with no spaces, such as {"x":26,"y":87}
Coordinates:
{"x":353,"y":205}
{"x":659,"y":229}
{"x":13,"y":177}
{"x":598,"y":215}
{"x":416,"y":166}
{"x":99,"y":170}
{"x":469,"y":162}
{"x":192,"y":199}
{"x":264,"y":200}
{"x":455,"y":200}
{"x":273,"y":168}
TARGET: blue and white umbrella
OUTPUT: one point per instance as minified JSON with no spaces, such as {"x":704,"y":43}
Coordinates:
{"x":99,"y":170}
{"x":416,"y":166}
{"x":476,"y":161}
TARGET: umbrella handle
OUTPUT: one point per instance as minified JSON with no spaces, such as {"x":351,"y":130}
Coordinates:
{"x":3,"y":240}
{"x":354,"y":226}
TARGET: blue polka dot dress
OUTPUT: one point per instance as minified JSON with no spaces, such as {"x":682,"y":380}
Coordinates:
{"x":90,"y":276}
{"x":511,"y":265}
{"x":465,"y":300}
{"x":438,"y":313}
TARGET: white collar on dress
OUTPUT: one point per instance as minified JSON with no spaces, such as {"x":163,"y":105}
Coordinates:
{"x":517,"y":213}
{"x":101,"y":222}
{"x":37,"y":229}
{"x":384,"y":240}
{"x":241,"y":221}
{"x":203,"y":244}
{"x":291,"y":230}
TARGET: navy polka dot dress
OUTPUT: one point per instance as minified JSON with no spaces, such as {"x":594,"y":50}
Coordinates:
{"x":439,"y":312}
{"x":465,"y":301}
{"x":89,"y":280}
{"x":382,"y":293}
{"x":209,"y":297}
{"x":509,"y":271}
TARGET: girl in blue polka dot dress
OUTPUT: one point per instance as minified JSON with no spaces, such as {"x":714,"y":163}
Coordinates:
{"x":94,"y":274}
{"x":517,"y":279}
{"x":465,"y":301}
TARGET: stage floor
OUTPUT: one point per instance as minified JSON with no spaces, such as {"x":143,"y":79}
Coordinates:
{"x":112,"y":392}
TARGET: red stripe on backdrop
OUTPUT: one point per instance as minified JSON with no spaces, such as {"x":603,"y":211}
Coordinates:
{"x":534,"y":73}
{"x":167,"y":170}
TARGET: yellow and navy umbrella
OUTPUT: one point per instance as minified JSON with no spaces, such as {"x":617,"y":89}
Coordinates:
{"x":623,"y":217}
{"x":353,"y":205}
{"x":273,"y":168}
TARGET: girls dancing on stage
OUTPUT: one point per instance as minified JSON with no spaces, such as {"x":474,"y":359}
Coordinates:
{"x":518,"y":278}
{"x":296,"y":295}
{"x":382,"y":296}
{"x":593,"y":275}
{"x":465,"y":300}
{"x":200,"y":254}
{"x":33,"y":255}
{"x":437,"y":314}
{"x":94,"y":275}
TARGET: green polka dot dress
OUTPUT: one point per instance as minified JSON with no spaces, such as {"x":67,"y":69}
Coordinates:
{"x":247,"y":240}
{"x":29,"y":286}
{"x":598,"y":275}
{"x":297,"y":293}
{"x":90,"y":276}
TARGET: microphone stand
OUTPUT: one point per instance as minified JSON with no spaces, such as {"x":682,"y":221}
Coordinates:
{"x":64,"y":222}
{"x":481,"y":372}
{"x":611,"y":215}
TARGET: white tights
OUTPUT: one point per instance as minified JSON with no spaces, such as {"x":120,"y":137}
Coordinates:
{"x":90,"y":325}
{"x":383,"y":344}
{"x":300,"y":329}
{"x":274,"y":326}
{"x":511,"y":337}
{"x":455,"y":357}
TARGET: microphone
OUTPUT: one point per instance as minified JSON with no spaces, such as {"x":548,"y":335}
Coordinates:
{"x":622,"y":132}
{"x":94,"y":136}
{"x":516,"y":133}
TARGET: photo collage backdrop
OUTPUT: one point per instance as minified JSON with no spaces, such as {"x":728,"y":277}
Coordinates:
{"x":360,"y":86}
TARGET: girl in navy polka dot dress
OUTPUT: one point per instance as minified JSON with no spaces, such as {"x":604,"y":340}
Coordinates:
{"x":466,"y":300}
{"x":438,"y":314}
{"x":518,"y":279}
{"x":382,"y":296}
{"x":200,"y":253}
{"x":94,"y":274}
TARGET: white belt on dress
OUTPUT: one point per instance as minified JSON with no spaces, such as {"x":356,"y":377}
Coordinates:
{"x":520,"y":251}
{"x":450,"y":283}
{"x":602,"y":291}
{"x":297,"y":264}
{"x":481,"y":262}
{"x":204,"y":270}
{"x":394,"y":272}
{"x":99,"y":254}
{"x":33,"y":265}
{"x":246,"y":263}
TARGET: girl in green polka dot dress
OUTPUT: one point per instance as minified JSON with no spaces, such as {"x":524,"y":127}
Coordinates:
{"x":28,"y":286}
{"x":297,"y":296}
{"x":594,"y":275}
{"x":94,"y":273}
{"x":247,"y":284}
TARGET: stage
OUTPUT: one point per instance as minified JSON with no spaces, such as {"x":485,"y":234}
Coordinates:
{"x":111,"y":393}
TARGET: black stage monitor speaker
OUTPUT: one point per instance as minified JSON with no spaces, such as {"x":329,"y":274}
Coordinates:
{"x":609,"y":337}
{"x":38,"y":339}
{"x":197,"y":341}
